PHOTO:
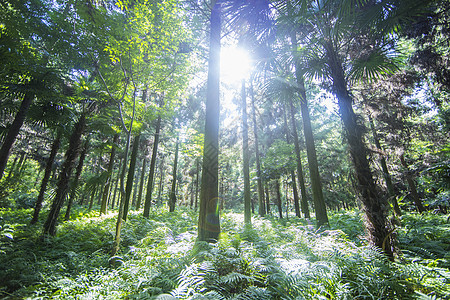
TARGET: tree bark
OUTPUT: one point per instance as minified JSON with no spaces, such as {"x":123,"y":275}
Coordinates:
{"x":161,"y":181}
{"x":130,"y":177}
{"x":316,"y":185}
{"x":294,"y":184}
{"x":374,"y":204}
{"x":141,"y":184}
{"x":151,"y":174}
{"x":279,"y":204}
{"x":173,"y":194}
{"x":76,"y":179}
{"x":14,"y":131}
{"x":386,"y":175}
{"x":261,"y":200}
{"x":245,"y":157}
{"x":301,"y":180}
{"x":412,"y":186}
{"x":208,"y":220}
{"x":48,"y":171}
{"x":63,"y":184}
{"x":106,"y":189}
{"x":116,"y":185}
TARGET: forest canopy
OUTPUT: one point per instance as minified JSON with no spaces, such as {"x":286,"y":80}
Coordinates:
{"x":272,"y":146}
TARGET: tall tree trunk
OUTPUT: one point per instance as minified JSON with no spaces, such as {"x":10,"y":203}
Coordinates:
{"x":301,"y":180}
{"x":74,"y":185}
{"x":412,"y":186}
{"x":130,"y":176}
{"x":14,"y":131}
{"x":245,"y":157}
{"x":294,"y":184}
{"x":261,"y":200}
{"x":161,"y":181}
{"x":267,"y":197}
{"x":141,"y":184}
{"x":316,"y":184}
{"x":64,"y":177}
{"x":375,"y":206}
{"x":173,"y":194}
{"x":106,"y":189}
{"x":196,"y":184}
{"x":208,"y":219}
{"x":48,"y":170}
{"x":151,"y":174}
{"x":116,"y":186}
{"x":13,"y":166}
{"x":386,"y":175}
{"x":279,"y":203}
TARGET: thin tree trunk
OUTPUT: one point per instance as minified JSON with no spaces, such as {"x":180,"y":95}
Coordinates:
{"x":245,"y":157}
{"x":161,"y":181}
{"x":316,"y":185}
{"x":374,"y":204}
{"x":116,"y":186}
{"x":130,"y":177}
{"x":14,"y":131}
{"x":48,"y":170}
{"x":386,"y":175}
{"x":208,"y":220}
{"x":294,"y":184}
{"x":279,"y":203}
{"x":74,"y":185}
{"x":261,"y":200}
{"x":64,"y":177}
{"x":141,"y":184}
{"x":266,"y":189}
{"x":173,"y":194}
{"x":11,"y":169}
{"x":106,"y":190}
{"x":196,"y":184}
{"x":301,"y":180}
{"x":151,"y":174}
{"x":412,"y":186}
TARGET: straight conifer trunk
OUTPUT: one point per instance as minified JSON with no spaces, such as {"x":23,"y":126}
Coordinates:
{"x":130,"y":177}
{"x":173,"y":192}
{"x":48,"y":171}
{"x":245,"y":157}
{"x":14,"y":131}
{"x":64,"y":177}
{"x":316,"y":185}
{"x":151,"y":174}
{"x":261,"y":200}
{"x":278,"y":192}
{"x":301,"y":180}
{"x":141,"y":184}
{"x":106,"y":189}
{"x":208,"y":220}
{"x":294,"y":184}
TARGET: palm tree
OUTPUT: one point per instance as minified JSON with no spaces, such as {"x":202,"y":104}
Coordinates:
{"x":343,"y":42}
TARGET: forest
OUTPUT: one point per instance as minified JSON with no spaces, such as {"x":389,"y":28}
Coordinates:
{"x":224,"y":149}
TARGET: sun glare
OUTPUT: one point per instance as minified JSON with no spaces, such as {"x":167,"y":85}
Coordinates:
{"x":235,"y":64}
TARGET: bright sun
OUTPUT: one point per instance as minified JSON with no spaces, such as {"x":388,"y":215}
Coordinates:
{"x":235,"y":64}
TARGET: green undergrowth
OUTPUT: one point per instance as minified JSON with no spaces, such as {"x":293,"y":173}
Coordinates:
{"x":275,"y":259}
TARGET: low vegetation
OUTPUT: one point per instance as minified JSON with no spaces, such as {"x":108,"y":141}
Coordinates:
{"x":276,"y":259}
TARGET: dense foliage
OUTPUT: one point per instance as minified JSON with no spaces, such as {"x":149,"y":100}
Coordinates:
{"x":127,"y":154}
{"x":277,"y":259}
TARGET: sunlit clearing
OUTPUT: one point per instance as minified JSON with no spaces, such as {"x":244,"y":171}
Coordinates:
{"x":235,"y":65}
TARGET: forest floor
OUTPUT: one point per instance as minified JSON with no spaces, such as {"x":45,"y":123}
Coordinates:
{"x":276,"y":259}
